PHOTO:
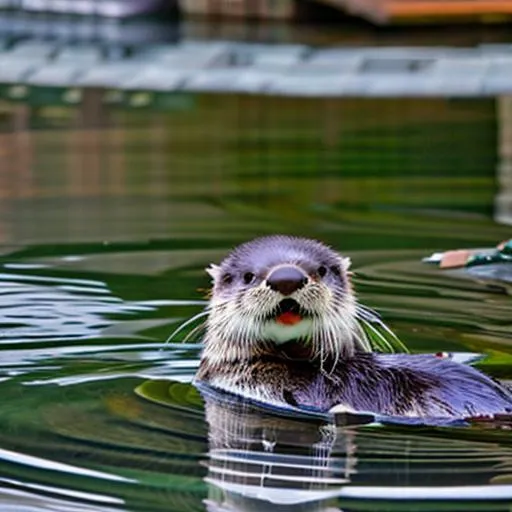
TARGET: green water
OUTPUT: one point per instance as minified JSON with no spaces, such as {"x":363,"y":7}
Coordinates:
{"x":105,"y":232}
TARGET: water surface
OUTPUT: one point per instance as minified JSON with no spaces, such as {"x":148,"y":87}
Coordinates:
{"x":105,"y":234}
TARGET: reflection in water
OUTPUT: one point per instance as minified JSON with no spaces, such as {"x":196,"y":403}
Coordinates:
{"x":260,"y":461}
{"x":129,"y":215}
{"x":504,"y":171}
{"x":44,"y":317}
{"x":88,"y":406}
{"x":235,"y":167}
{"x":440,"y":311}
{"x":62,"y":309}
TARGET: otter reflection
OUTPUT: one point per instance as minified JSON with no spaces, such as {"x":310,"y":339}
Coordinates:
{"x":259,"y":460}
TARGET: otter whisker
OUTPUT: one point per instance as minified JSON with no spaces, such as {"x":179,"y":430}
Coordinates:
{"x":326,"y":342}
{"x":361,"y":339}
{"x":329,"y":344}
{"x":348,"y":334}
{"x":343,"y":325}
{"x":186,"y":324}
{"x":336,"y":353}
{"x":367,"y":311}
{"x":379,"y":341}
{"x":194,"y":331}
{"x":387,"y":340}
{"x":394,"y":337}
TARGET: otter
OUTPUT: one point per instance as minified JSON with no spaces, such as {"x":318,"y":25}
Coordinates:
{"x":284,"y":328}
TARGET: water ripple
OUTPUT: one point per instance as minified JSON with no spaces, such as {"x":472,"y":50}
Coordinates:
{"x":99,"y":414}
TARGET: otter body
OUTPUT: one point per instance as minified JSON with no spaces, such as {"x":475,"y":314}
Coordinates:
{"x":283,"y":328}
{"x":387,"y":384}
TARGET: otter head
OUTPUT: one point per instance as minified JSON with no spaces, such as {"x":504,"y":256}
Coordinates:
{"x":278,"y":289}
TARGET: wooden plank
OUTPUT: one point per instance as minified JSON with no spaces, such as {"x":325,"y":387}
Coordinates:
{"x":246,"y":9}
{"x":389,"y":11}
{"x":447,"y":8}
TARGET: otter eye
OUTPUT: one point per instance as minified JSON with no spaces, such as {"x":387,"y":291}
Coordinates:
{"x":227,"y":279}
{"x":322,"y":271}
{"x":248,"y":277}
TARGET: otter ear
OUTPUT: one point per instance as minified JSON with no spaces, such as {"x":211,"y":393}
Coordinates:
{"x":345,"y":263}
{"x":213,"y":271}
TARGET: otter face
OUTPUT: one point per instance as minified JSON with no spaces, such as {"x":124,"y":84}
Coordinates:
{"x":280,"y":288}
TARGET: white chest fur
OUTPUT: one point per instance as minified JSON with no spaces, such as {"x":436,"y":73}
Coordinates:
{"x":280,"y":333}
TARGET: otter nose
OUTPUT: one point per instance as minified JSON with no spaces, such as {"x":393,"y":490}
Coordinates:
{"x":286,"y":279}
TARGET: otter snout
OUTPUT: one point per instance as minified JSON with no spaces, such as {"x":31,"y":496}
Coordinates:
{"x":286,"y":279}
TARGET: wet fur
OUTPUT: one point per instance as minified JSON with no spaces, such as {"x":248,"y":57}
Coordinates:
{"x":329,"y":367}
{"x":394,"y":384}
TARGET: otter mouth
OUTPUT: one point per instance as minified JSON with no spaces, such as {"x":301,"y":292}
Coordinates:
{"x":289,"y":312}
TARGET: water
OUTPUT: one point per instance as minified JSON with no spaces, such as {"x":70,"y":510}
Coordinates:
{"x":105,"y":233}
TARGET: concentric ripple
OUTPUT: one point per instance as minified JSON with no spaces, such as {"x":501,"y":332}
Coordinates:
{"x":99,"y":415}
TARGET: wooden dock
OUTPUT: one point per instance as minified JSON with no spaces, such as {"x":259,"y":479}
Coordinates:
{"x":380,"y":12}
{"x":427,"y":11}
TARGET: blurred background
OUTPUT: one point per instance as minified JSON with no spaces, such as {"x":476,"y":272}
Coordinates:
{"x":136,"y":119}
{"x":141,"y":139}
